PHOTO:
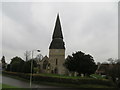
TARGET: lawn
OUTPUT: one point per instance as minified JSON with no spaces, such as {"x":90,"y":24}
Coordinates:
{"x":62,"y":76}
{"x":97,"y":76}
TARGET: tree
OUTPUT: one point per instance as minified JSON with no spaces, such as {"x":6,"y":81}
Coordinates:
{"x":16,"y":64}
{"x":8,"y":67}
{"x":3,"y":63}
{"x":111,"y":61}
{"x":117,"y":61}
{"x":114,"y":70}
{"x":3,"y":59}
{"x":27,"y":55}
{"x":81,"y":63}
{"x":27,"y":66}
{"x":39,"y":57}
{"x":19,"y":65}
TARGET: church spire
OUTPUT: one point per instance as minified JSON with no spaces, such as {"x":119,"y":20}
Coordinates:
{"x":57,"y":30}
{"x":57,"y":38}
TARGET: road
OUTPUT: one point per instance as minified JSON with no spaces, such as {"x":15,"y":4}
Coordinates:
{"x":22,"y":84}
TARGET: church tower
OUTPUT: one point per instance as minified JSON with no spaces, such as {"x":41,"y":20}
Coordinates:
{"x":57,"y":50}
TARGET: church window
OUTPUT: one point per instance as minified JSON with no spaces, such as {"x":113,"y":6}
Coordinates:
{"x":49,"y":66}
{"x":45,"y":64}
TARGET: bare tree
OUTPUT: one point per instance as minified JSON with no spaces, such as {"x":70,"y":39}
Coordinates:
{"x":111,"y":61}
{"x":27,"y":55}
{"x":39,"y":57}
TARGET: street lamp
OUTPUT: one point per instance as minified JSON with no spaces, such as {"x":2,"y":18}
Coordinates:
{"x":32,"y":66}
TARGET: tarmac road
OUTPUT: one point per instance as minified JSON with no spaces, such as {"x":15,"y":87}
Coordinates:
{"x":22,"y":84}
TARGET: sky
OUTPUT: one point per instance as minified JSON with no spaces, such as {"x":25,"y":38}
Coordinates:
{"x":90,"y":27}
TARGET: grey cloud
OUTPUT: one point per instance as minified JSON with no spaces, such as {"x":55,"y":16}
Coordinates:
{"x":89,"y":27}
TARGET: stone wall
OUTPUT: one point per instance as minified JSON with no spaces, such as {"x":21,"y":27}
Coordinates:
{"x":56,"y":60}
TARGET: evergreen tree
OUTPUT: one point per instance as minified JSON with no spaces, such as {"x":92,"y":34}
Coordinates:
{"x":3,"y":59}
{"x":16,"y":64}
{"x":81,"y":63}
{"x":3,"y":63}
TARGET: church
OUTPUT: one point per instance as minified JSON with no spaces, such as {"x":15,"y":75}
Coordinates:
{"x":54,"y":63}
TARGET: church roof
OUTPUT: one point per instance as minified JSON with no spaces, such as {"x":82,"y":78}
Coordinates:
{"x":57,"y":38}
{"x":57,"y":30}
{"x":57,"y":43}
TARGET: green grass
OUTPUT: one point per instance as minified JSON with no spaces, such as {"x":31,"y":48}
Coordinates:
{"x":0,"y":86}
{"x":97,"y":76}
{"x":62,"y":76}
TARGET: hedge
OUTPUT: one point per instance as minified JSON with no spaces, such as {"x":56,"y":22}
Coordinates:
{"x":42,"y":78}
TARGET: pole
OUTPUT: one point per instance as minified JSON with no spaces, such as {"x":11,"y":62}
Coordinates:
{"x":32,"y":66}
{"x":31,"y":70}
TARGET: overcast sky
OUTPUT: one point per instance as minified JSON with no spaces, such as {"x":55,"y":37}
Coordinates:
{"x":87,"y":26}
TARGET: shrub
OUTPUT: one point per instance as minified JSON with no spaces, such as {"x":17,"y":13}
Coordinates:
{"x":43,"y":78}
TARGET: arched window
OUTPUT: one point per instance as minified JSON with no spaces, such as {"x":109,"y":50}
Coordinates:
{"x":48,"y":66}
{"x":45,"y":64}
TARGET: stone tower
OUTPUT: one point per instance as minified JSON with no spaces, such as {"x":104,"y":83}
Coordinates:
{"x":57,"y":50}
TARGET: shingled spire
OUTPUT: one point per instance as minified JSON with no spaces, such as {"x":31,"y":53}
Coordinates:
{"x":57,"y":30}
{"x":57,"y":38}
